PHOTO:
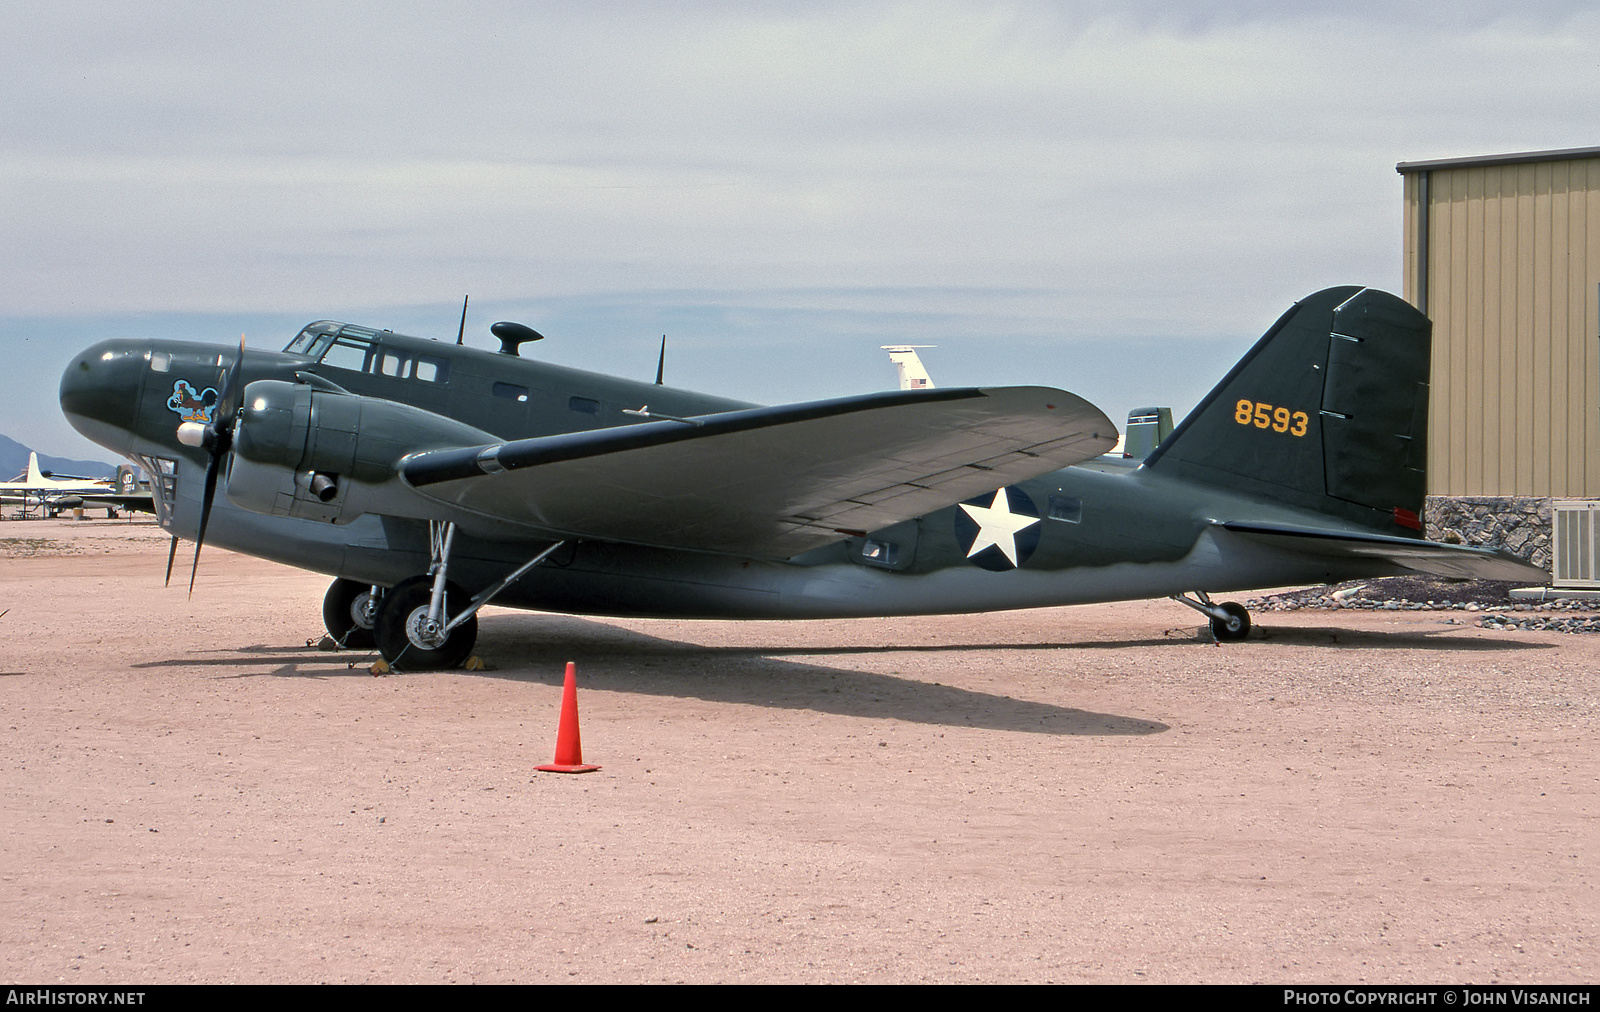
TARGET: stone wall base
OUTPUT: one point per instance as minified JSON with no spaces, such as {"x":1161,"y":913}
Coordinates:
{"x":1518,"y":524}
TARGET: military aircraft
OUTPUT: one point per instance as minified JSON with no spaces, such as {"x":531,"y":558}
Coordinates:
{"x":35,"y":487}
{"x":431,"y":478}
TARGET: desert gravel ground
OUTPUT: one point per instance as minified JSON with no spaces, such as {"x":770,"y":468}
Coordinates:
{"x":190,"y":793}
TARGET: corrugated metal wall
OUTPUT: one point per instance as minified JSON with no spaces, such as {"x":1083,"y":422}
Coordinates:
{"x":1513,"y":260}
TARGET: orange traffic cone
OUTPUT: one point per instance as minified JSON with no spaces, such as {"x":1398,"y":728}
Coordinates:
{"x":569,"y":750}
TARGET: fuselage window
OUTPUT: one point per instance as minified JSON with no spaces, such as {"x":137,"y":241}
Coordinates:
{"x":1065,"y":507}
{"x":584,"y":405}
{"x":405,"y":365}
{"x":886,"y":552}
{"x":432,"y":370}
{"x":511,"y":392}
{"x":392,"y":364}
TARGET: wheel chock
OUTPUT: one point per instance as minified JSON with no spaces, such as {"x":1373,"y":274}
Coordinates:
{"x":380,"y":667}
{"x":474,"y":663}
{"x":569,"y":750}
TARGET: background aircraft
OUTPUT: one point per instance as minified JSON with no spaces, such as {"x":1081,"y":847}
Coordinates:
{"x":38,"y":488}
{"x":908,"y":367}
{"x":430,"y":478}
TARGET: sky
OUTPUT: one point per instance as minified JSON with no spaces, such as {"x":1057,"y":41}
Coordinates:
{"x":1112,"y":198}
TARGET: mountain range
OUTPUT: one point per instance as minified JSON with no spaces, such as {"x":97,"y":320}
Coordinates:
{"x":14,"y":461}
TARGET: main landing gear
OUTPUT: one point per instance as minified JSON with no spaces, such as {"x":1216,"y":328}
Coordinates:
{"x":424,"y":623}
{"x":350,"y":611}
{"x":411,"y":631}
{"x":1230,"y":622}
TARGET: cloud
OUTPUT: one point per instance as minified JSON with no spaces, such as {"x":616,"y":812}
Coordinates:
{"x":1086,"y":171}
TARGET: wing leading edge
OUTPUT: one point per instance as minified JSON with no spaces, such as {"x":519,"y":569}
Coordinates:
{"x":769,"y":482}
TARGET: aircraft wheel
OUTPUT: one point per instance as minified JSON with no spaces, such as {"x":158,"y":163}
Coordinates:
{"x":349,"y":611}
{"x":408,"y":640}
{"x":1236,"y":627}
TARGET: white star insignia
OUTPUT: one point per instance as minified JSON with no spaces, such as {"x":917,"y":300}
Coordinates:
{"x":998,"y":526}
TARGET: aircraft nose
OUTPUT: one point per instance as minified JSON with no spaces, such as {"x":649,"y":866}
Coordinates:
{"x":100,"y":392}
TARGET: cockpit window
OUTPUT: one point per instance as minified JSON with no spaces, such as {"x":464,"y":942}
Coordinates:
{"x":313,"y":339}
{"x":362,"y":349}
{"x":348,"y":353}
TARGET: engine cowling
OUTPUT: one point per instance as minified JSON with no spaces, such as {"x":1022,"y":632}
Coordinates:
{"x":324,"y":455}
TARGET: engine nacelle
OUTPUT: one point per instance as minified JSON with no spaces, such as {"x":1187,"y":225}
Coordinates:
{"x":304,"y":452}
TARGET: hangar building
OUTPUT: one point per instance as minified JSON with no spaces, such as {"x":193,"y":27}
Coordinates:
{"x":1503,"y":253}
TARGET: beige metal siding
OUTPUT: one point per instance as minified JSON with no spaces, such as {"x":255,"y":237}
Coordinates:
{"x":1513,"y":255}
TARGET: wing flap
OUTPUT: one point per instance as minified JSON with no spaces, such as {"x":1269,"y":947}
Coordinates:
{"x":1456,"y":562}
{"x":770,"y":482}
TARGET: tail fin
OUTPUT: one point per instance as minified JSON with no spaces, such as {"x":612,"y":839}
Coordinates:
{"x":1328,"y":411}
{"x":909,"y":366}
{"x":1147,"y":427}
{"x":36,"y":478}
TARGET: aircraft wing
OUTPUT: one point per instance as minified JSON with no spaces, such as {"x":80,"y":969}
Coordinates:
{"x":58,"y":499}
{"x":1456,"y":562}
{"x":139,"y":502}
{"x":768,"y":482}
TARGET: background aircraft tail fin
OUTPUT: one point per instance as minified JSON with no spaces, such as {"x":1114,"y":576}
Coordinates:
{"x":36,"y":478}
{"x":1328,"y":411}
{"x":908,"y":366}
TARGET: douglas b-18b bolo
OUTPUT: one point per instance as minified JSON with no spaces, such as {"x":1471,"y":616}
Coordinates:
{"x":429,"y":478}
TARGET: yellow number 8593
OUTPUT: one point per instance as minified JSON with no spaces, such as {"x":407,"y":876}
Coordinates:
{"x":1265,"y":416}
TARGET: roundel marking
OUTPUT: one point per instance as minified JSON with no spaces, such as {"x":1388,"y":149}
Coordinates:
{"x":998,"y":531}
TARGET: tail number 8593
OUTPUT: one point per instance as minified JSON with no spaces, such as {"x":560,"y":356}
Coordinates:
{"x":1265,"y":416}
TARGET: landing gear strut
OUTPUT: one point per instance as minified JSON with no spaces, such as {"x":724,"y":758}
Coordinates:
{"x":1230,"y":622}
{"x":408,"y":635}
{"x":427,"y":622}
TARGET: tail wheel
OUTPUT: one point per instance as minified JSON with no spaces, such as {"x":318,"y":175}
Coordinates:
{"x":1235,"y":627}
{"x":349,"y":612}
{"x":408,"y":639}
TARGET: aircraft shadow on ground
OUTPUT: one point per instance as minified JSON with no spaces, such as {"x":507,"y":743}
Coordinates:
{"x":1442,"y":638}
{"x":535,"y":649}
{"x":620,"y":660}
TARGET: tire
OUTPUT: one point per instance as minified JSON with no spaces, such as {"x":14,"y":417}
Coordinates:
{"x":347,"y":615}
{"x":404,"y":609}
{"x":1235,"y":628}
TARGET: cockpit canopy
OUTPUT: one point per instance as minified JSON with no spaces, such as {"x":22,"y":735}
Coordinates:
{"x":362,"y":349}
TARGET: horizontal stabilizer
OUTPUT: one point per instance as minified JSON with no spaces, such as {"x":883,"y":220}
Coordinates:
{"x":1455,"y":562}
{"x":769,"y":482}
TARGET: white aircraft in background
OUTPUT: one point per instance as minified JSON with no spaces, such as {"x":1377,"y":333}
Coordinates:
{"x":41,"y":488}
{"x":1148,"y":425}
{"x":912,"y":375}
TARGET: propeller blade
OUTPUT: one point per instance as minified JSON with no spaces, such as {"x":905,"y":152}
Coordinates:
{"x":172,"y":553}
{"x":223,"y":417}
{"x":231,"y":396}
{"x":205,"y":514}
{"x":661,"y":363}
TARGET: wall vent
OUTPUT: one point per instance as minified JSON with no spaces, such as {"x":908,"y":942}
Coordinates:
{"x":1574,"y":550}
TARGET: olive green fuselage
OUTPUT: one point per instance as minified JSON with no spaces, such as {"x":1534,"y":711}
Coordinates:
{"x":1105,"y":530}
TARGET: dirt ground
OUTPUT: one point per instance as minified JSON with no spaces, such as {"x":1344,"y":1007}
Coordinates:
{"x":190,"y":793}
